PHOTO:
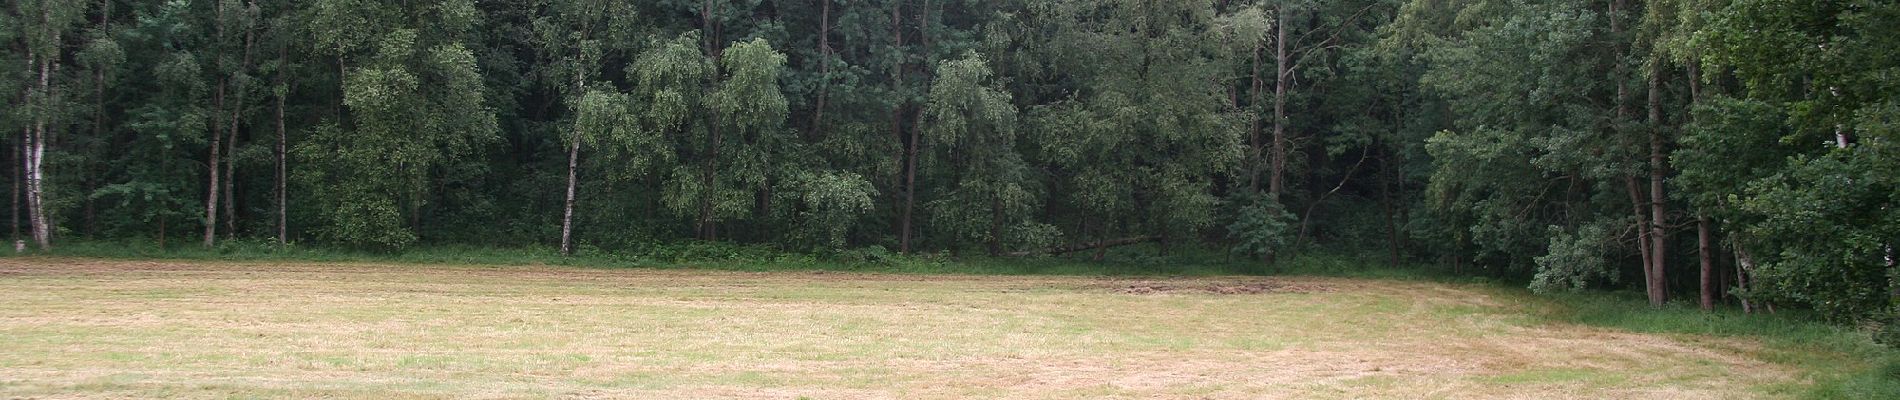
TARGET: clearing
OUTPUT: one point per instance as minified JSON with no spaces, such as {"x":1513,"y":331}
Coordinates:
{"x":79,"y":328}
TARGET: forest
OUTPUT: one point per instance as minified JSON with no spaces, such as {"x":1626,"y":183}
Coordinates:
{"x":1722,"y":153}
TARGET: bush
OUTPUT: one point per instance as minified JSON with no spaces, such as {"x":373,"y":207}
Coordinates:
{"x":1575,"y":259}
{"x":1261,"y":226}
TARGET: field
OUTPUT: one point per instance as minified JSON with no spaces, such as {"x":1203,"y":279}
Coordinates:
{"x":82,"y":328}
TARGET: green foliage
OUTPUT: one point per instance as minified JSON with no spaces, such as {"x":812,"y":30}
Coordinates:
{"x":1032,"y":235}
{"x":342,"y":27}
{"x":1261,"y":229}
{"x":742,"y":136}
{"x":668,"y":79}
{"x":826,"y":203}
{"x":610,"y":120}
{"x":971,"y":126}
{"x":1528,"y":124}
{"x":1831,"y":220}
{"x":373,"y":222}
{"x":1576,"y":259}
{"x":416,"y":107}
{"x":1732,"y":142}
{"x":1801,"y":162}
{"x":1137,"y":140}
{"x":747,"y":97}
{"x":1887,"y":332}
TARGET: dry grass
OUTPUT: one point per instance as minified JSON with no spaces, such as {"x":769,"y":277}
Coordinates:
{"x":111,"y":329}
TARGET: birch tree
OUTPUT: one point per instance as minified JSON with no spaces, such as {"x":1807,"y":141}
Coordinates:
{"x":972,"y":128}
{"x":735,"y":149}
{"x":579,"y":35}
{"x":42,"y":25}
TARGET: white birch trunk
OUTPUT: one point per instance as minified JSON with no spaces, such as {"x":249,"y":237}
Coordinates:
{"x":35,"y":153}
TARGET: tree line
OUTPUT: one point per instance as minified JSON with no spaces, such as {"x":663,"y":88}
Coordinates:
{"x":1739,"y":150}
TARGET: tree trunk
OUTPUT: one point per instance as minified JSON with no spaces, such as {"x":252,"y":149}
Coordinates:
{"x":909,"y":152}
{"x":26,"y":137}
{"x":161,"y":231}
{"x":217,"y":138}
{"x":35,"y":143}
{"x":1743,"y":265}
{"x":573,"y":168}
{"x":824,"y":69}
{"x":917,"y":126}
{"x":237,"y":110}
{"x":996,"y":226}
{"x":98,"y":119}
{"x":1708,"y":263}
{"x":1254,"y":145}
{"x":1282,"y":61}
{"x":709,"y":173}
{"x":574,"y":148}
{"x":230,"y":180}
{"x":159,"y":209}
{"x":1710,"y":276}
{"x":35,"y":151}
{"x":283,"y":204}
{"x":19,"y":159}
{"x":910,"y":184}
{"x":211,"y":196}
{"x":1648,"y":241}
{"x":1658,"y":236}
{"x":923,"y":34}
{"x":1724,"y":278}
{"x":1386,"y":204}
{"x":567,"y":208}
{"x":1642,"y":235}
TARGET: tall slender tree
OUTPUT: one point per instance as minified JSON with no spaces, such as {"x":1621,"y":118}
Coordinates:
{"x":974,"y":125}
{"x":740,"y":143}
{"x":573,"y":35}
{"x":44,"y":25}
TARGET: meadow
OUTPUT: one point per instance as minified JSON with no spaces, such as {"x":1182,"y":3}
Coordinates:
{"x":101,"y":328}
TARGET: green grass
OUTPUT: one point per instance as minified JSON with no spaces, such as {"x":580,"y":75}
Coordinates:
{"x":1839,"y":361}
{"x":1551,"y":375}
{"x":1842,"y":361}
{"x":82,"y":327}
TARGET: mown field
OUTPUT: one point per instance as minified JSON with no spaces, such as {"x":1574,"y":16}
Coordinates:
{"x":83,"y":328}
